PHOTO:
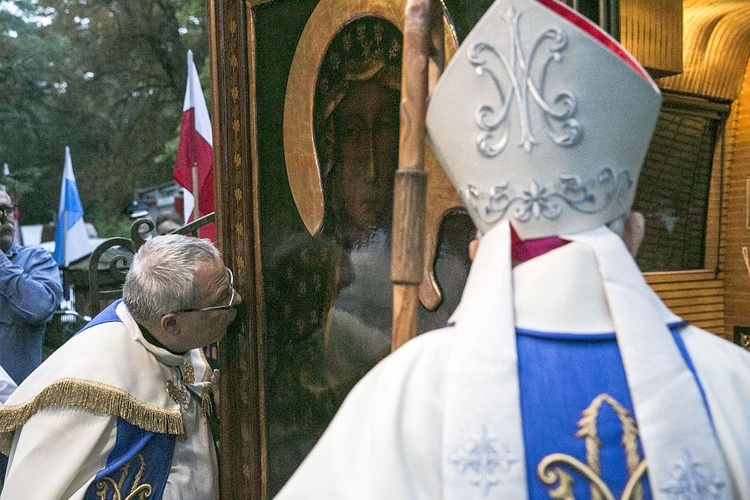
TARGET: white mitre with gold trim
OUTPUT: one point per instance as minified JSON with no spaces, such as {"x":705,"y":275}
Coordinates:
{"x":542,"y":122}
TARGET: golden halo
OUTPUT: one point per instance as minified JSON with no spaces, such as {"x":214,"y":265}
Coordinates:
{"x":303,"y":170}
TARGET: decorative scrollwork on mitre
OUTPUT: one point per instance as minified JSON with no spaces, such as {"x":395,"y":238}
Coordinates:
{"x":537,"y":201}
{"x":519,"y":85}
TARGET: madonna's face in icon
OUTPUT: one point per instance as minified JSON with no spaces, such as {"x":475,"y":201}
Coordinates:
{"x":366,"y":152}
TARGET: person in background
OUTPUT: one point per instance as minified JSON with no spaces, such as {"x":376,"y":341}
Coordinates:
{"x":166,"y":222}
{"x":561,"y":374}
{"x":7,"y":386}
{"x":122,"y":409}
{"x":30,"y":291}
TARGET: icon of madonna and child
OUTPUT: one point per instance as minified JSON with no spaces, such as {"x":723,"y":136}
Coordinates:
{"x":329,"y":303}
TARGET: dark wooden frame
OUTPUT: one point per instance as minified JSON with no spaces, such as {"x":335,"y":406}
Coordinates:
{"x":242,"y":435}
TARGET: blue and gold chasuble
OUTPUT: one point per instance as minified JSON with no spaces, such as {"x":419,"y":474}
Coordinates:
{"x":579,"y":427}
{"x":138,"y":465}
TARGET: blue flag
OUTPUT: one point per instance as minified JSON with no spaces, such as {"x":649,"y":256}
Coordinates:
{"x":71,"y":238}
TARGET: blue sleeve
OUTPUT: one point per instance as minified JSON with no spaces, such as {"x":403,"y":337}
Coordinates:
{"x":33,"y":291}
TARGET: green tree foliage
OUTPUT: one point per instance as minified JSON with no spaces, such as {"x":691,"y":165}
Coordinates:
{"x":105,"y":77}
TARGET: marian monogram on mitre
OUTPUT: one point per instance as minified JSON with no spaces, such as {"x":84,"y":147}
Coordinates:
{"x":519,"y":74}
{"x":534,"y":121}
{"x":513,"y":77}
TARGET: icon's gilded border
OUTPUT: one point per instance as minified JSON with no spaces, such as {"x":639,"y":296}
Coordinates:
{"x":301,"y":158}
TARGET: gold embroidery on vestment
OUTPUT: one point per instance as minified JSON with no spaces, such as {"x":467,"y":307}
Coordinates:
{"x":138,"y":492}
{"x":189,"y":373}
{"x":550,"y":472}
{"x":178,"y":393}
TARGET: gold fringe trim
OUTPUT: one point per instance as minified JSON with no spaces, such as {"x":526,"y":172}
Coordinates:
{"x":207,"y":401}
{"x":94,"y":396}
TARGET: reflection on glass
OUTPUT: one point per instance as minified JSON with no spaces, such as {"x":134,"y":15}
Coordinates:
{"x":329,"y":298}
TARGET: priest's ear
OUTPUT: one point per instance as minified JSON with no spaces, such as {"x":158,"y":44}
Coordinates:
{"x":168,"y":324}
{"x":473,"y":246}
{"x":631,"y":228}
{"x":635,"y":230}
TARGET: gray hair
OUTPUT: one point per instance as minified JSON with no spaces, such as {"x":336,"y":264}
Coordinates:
{"x":160,"y":279}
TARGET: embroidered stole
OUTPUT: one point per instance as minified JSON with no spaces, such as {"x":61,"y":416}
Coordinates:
{"x":482,"y":415}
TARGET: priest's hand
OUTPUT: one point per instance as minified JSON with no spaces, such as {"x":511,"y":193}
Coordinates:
{"x":215,"y":377}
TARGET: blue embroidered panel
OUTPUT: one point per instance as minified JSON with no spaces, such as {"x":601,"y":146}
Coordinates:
{"x":108,"y":315}
{"x":137,"y":467}
{"x":553,"y":404}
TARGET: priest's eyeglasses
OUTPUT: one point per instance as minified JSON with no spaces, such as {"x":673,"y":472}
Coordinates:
{"x":229,"y":305}
{"x":7,"y":210}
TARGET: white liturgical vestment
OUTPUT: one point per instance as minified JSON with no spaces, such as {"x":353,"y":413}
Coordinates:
{"x":109,"y":415}
{"x":569,"y":406}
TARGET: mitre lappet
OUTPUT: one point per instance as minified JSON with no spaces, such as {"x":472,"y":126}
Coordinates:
{"x":542,"y":122}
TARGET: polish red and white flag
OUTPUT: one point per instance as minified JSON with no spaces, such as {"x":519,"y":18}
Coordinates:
{"x":193,"y":167}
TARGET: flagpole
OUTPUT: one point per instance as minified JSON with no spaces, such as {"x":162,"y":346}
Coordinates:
{"x":64,"y":236}
{"x":196,"y":213}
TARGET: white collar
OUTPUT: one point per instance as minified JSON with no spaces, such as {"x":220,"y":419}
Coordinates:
{"x":544,"y":300}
